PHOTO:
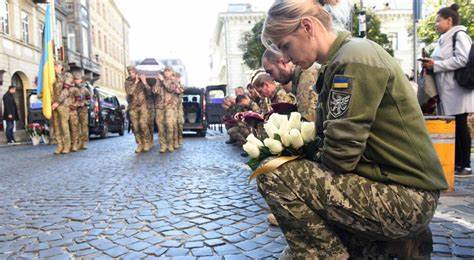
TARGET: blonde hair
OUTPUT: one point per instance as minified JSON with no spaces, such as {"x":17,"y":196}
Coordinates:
{"x":284,"y":17}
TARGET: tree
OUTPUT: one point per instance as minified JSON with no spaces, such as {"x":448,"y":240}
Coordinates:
{"x":252,"y":46}
{"x":426,"y":29}
{"x":373,"y":29}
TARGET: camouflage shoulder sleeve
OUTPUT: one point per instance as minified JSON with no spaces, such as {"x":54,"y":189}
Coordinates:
{"x":63,"y":96}
{"x":355,"y":94}
{"x":283,"y":97}
{"x":306,"y":97}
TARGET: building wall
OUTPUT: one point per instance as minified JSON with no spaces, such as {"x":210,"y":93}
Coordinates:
{"x":20,"y":56}
{"x":110,"y":44}
{"x":227,"y":65}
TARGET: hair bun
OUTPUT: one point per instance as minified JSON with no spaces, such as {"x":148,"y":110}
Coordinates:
{"x":454,"y":7}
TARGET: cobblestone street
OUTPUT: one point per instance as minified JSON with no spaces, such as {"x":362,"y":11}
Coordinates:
{"x":107,"y":202}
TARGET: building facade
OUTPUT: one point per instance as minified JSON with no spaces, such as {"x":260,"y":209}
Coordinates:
{"x":110,"y":45}
{"x":21,"y":29}
{"x":227,"y":65}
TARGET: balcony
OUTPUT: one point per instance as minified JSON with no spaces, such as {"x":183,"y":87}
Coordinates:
{"x":78,"y":61}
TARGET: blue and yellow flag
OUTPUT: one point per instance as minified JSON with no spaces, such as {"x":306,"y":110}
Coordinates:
{"x":46,"y":74}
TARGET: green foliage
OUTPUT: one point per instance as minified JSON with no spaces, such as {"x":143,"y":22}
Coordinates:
{"x":427,"y":31}
{"x":252,"y":46}
{"x":373,"y":29}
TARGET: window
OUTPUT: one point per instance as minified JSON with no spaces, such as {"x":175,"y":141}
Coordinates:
{"x":4,"y":17}
{"x":40,"y":32}
{"x":25,"y":27}
{"x":58,"y":39}
{"x":71,"y":38}
{"x":85,"y":42}
{"x":393,"y":38}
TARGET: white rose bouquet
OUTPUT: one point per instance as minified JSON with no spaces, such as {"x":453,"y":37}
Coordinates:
{"x":286,"y":138}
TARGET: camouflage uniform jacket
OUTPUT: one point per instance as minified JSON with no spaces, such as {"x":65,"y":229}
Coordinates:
{"x":74,"y":94}
{"x":57,"y":87}
{"x":85,"y":96}
{"x":167,"y":94}
{"x":67,"y":95}
{"x":369,"y":120}
{"x":306,"y":98}
{"x":136,"y":93}
{"x":281,"y":96}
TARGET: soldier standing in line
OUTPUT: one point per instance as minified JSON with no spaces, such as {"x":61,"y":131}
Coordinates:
{"x":83,"y":111}
{"x":74,"y":126}
{"x":61,"y":107}
{"x":136,"y":89}
{"x":166,"y":92}
{"x":284,"y":72}
{"x":150,"y":100}
{"x":57,"y":88}
{"x":180,"y":111}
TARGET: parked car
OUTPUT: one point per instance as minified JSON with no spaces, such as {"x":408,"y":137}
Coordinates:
{"x":214,"y":99}
{"x":106,"y":114}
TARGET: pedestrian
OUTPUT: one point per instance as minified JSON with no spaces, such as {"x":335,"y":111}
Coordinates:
{"x":10,"y":113}
{"x":136,"y":89}
{"x":63,"y":106}
{"x":373,"y":138}
{"x":455,"y":100}
{"x":83,"y":111}
{"x":167,"y":91}
{"x":284,"y":72}
{"x":57,"y":87}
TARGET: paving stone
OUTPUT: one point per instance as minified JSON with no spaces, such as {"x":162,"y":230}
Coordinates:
{"x":171,"y":243}
{"x":235,"y":257}
{"x":191,"y":245}
{"x":463,"y":251}
{"x":214,"y":242}
{"x":227,"y":250}
{"x":173,"y":233}
{"x":78,"y":247}
{"x":204,"y":251}
{"x":443,"y":249}
{"x":102,"y":244}
{"x":247,"y":245}
{"x":177,"y":252}
{"x":138,"y":246}
{"x":154,"y":240}
{"x":157,"y":251}
{"x":49,"y":237}
{"x":133,"y":256}
{"x":211,"y":235}
{"x":86,"y":252}
{"x":228,"y":231}
{"x":463,"y":242}
{"x":210,"y":226}
{"x":116,"y":251}
{"x":258,"y":254}
{"x":126,"y":241}
{"x":50,"y":252}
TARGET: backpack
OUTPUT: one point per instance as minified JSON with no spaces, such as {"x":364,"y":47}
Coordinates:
{"x":465,"y":76}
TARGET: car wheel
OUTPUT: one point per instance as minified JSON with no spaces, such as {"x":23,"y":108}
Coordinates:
{"x":105,"y":131}
{"x":202,"y":133}
{"x":122,"y":130}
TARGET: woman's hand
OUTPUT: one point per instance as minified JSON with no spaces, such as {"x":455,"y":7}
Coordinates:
{"x":428,"y":63}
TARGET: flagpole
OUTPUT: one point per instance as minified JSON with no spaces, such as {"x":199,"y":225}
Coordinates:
{"x":53,"y":25}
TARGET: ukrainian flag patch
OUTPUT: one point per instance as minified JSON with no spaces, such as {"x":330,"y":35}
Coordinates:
{"x":341,"y":82}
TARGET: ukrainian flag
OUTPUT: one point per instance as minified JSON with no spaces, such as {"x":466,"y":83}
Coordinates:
{"x":46,"y":74}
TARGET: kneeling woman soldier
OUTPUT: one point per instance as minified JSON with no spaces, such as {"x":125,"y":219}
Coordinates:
{"x":377,"y":174}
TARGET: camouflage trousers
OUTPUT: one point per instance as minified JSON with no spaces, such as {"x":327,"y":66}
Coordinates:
{"x":83,"y":114}
{"x":151,"y":123}
{"x":166,"y":119}
{"x":61,"y":121}
{"x":239,"y":133}
{"x":74,"y":128}
{"x":55,"y":126}
{"x":313,"y":205}
{"x":140,"y":119}
{"x":180,"y":124}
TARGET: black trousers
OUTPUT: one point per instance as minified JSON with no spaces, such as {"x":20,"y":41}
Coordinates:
{"x":9,"y":131}
{"x":463,"y":142}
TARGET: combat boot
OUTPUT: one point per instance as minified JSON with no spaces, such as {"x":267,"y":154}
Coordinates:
{"x":83,"y":146}
{"x":147,"y":146}
{"x":66,"y":149}
{"x":59,"y":148}
{"x":171,"y":149}
{"x":75,"y":147}
{"x":163,"y":149}
{"x":139,"y":148}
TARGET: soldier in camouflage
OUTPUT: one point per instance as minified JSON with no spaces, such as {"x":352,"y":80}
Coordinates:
{"x":376,"y":174}
{"x":137,"y":89}
{"x":83,"y":111}
{"x":57,"y":88}
{"x":180,"y":111}
{"x":268,"y":88}
{"x":167,"y":90}
{"x":74,"y":125}
{"x":302,"y":81}
{"x":62,"y":106}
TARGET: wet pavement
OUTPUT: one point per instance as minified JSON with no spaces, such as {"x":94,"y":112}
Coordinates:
{"x":107,"y":202}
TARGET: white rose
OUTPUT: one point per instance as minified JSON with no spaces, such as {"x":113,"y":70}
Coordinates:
{"x":271,"y":129}
{"x":252,"y":150}
{"x":284,"y":133}
{"x":308,"y":131}
{"x":283,"y":120}
{"x":252,"y":139}
{"x":274,"y":145}
{"x":296,"y":139}
{"x":274,"y":119}
{"x":295,"y":120}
